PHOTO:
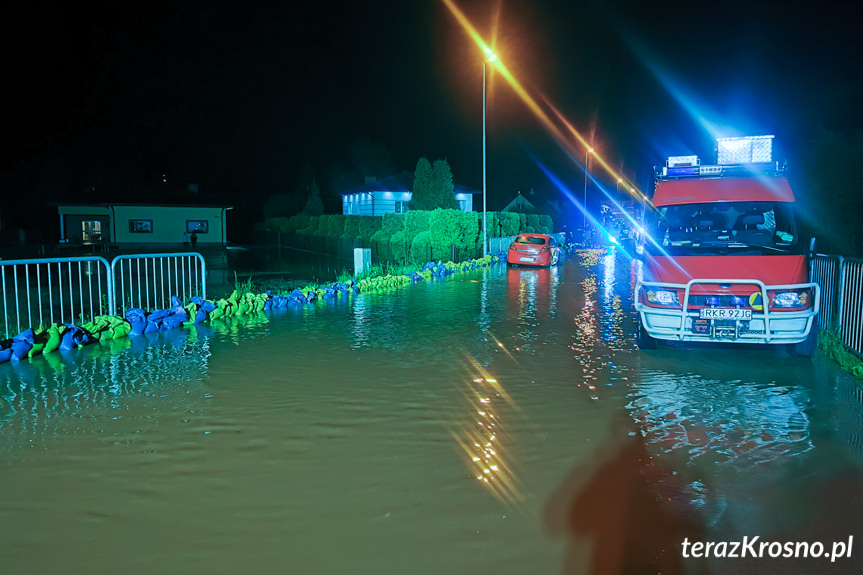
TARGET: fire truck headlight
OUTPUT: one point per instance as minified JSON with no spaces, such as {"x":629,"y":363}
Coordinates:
{"x":663,"y":297}
{"x":790,"y":299}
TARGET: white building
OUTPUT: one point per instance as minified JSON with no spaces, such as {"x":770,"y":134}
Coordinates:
{"x":391,"y":196}
{"x":142,"y":223}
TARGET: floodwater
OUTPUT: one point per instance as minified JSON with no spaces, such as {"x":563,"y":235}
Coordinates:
{"x":499,"y":421}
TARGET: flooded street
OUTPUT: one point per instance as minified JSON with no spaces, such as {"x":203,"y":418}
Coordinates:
{"x":499,"y":421}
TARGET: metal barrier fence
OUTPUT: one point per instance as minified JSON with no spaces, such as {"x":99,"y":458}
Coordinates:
{"x":851,"y":305}
{"x":841,"y":281}
{"x":825,"y":271}
{"x":149,"y":280}
{"x":62,"y":290}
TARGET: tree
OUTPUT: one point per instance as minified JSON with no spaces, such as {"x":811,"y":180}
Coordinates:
{"x":444,"y":189}
{"x":422,"y":197}
{"x":433,"y":186}
{"x":314,"y":205}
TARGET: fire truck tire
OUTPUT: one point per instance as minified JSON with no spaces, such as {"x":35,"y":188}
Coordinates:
{"x":644,"y":340}
{"x":807,"y":347}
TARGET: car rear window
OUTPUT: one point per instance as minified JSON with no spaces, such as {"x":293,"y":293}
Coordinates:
{"x":530,"y":240}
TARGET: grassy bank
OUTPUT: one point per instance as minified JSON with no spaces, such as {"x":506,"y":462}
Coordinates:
{"x":831,"y":344}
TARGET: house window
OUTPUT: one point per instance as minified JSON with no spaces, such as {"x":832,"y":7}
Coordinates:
{"x":401,"y":207}
{"x":141,"y":226}
{"x":196,"y":226}
{"x":91,"y":231}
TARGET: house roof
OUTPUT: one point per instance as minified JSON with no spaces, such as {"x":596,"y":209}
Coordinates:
{"x":401,"y":182}
{"x":140,"y":205}
{"x":518,"y":202}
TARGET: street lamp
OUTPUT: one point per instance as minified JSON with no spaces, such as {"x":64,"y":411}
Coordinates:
{"x":490,"y":57}
{"x":586,"y":175}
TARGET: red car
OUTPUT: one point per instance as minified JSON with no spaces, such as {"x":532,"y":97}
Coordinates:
{"x":533,"y":250}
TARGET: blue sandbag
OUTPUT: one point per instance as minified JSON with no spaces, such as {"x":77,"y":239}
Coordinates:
{"x":160,"y":319}
{"x":74,"y":337}
{"x":22,"y":343}
{"x":137,"y":318}
{"x":299,"y":296}
{"x":5,"y":350}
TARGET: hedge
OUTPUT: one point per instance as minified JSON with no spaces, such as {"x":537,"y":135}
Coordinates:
{"x":420,"y":246}
{"x":393,"y":223}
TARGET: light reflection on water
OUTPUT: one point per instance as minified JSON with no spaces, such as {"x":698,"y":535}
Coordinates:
{"x":353,"y":434}
{"x":106,"y":375}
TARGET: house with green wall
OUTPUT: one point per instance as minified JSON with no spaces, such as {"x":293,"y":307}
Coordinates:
{"x":142,"y":224}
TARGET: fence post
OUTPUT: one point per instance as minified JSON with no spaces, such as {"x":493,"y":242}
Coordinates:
{"x":362,"y":260}
{"x":840,"y":295}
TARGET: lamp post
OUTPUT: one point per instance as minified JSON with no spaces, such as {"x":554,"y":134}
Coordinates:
{"x":586,"y":175}
{"x":490,"y":57}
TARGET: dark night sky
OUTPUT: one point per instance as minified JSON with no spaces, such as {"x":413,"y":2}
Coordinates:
{"x":248,"y":99}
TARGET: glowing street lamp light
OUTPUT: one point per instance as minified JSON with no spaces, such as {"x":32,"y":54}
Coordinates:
{"x":490,"y":57}
{"x":586,"y":175}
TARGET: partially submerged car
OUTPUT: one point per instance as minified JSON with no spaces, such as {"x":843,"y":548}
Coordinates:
{"x":533,"y":250}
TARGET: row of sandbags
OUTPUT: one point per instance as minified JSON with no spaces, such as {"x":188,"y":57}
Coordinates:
{"x":32,"y":342}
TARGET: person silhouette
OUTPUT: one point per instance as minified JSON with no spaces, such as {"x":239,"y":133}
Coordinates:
{"x":194,"y":239}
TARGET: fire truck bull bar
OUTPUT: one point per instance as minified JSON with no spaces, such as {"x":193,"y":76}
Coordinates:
{"x":766,"y":326}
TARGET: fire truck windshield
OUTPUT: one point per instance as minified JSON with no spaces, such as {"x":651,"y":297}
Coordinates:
{"x":725,"y":227}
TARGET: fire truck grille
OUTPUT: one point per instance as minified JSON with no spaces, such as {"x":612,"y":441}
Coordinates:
{"x":718,"y":301}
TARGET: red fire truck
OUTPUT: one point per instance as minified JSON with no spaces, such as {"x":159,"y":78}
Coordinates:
{"x":723,"y":260}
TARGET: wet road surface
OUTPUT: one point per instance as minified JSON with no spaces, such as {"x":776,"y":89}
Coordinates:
{"x":500,"y":421}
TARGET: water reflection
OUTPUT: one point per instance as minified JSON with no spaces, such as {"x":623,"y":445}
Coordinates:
{"x":612,"y":317}
{"x":532,"y":295}
{"x":482,"y":437}
{"x":728,"y":423}
{"x":63,"y":384}
{"x":584,"y":339}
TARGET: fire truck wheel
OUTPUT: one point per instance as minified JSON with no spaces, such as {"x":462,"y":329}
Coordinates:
{"x":644,"y":340}
{"x":807,"y":347}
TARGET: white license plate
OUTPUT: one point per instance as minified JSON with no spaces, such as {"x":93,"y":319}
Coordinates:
{"x":725,"y":313}
{"x":526,"y":259}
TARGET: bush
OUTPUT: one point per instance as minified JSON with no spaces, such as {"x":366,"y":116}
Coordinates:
{"x":492,"y":223}
{"x":380,"y":245}
{"x":445,"y":232}
{"x":352,"y":227}
{"x":337,"y":225}
{"x":416,"y":221}
{"x":522,"y":223}
{"x":368,"y":225}
{"x":323,"y":226}
{"x":311,"y":226}
{"x":471,"y":234}
{"x":421,"y":247}
{"x":533,"y":221}
{"x":546,"y":224}
{"x":297,"y":223}
{"x":398,"y":247}
{"x":509,"y":224}
{"x":393,"y":223}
